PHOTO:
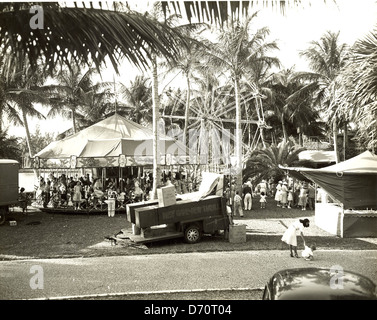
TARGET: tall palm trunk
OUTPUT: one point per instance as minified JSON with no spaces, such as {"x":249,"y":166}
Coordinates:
{"x":345,"y":140}
{"x":238,"y":135}
{"x":335,"y":139}
{"x":74,"y":127}
{"x":156,"y":136}
{"x":28,"y":139}
{"x":285,"y":136}
{"x":28,"y":136}
{"x":188,"y":94}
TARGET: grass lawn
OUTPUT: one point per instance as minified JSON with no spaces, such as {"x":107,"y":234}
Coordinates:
{"x":42,"y":235}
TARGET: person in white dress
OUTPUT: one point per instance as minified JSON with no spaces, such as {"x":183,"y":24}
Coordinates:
{"x":290,"y":235}
{"x":284,"y":195}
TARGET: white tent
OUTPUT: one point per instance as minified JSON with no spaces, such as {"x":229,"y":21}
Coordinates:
{"x":114,"y":141}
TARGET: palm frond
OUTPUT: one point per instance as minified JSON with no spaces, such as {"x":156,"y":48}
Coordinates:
{"x":220,"y":12}
{"x":102,"y":33}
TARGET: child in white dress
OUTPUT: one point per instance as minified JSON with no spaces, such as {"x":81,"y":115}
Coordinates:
{"x":290,"y":237}
{"x":307,"y":253}
{"x":263,"y":200}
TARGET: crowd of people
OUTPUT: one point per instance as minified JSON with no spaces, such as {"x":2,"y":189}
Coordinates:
{"x":295,"y":194}
{"x":83,"y":192}
{"x":287,"y":193}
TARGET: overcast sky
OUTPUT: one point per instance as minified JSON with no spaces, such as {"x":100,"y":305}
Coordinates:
{"x":293,"y":31}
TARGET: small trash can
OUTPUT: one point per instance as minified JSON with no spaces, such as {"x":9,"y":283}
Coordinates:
{"x":237,"y":233}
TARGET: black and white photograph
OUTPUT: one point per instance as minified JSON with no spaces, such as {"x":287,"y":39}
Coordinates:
{"x":188,"y":158}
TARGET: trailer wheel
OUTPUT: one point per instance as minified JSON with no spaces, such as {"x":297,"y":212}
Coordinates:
{"x":2,"y":215}
{"x":192,"y":234}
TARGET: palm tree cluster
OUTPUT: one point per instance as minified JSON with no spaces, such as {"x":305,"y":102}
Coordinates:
{"x":357,"y":100}
{"x":339,"y":90}
{"x":266,"y":163}
{"x":233,"y":77}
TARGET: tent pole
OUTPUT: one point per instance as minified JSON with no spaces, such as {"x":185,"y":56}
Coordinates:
{"x":103,"y":177}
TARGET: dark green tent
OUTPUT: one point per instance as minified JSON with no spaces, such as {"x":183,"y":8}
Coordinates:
{"x":352,"y":182}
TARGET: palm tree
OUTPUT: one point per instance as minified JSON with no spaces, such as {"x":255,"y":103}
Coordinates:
{"x":236,"y":51}
{"x":156,"y":14}
{"x":189,"y":60}
{"x":326,"y":58}
{"x":358,"y":87}
{"x":281,"y":86}
{"x":9,"y":147}
{"x":71,"y":94}
{"x":19,"y":93}
{"x":137,"y":99}
{"x":265,"y":163}
{"x":300,"y":112}
{"x":97,"y":103}
{"x":155,"y":126}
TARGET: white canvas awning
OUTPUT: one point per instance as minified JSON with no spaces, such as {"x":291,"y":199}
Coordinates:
{"x":111,"y":137}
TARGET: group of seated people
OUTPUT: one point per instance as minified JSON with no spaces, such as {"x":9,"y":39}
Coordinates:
{"x":84,"y":193}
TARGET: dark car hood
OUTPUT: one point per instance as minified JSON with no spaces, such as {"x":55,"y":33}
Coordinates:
{"x":320,"y":283}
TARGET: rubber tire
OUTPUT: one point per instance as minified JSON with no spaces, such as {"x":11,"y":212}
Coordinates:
{"x":193,"y":234}
{"x":3,"y":213}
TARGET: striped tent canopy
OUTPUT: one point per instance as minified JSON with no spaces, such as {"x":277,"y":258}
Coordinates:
{"x":110,"y":139}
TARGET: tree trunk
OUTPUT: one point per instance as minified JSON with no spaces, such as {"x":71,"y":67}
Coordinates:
{"x":335,"y":139}
{"x":28,"y":140}
{"x":156,"y":136}
{"x":185,"y":137}
{"x":74,"y":128}
{"x":238,"y":135}
{"x":285,"y":137}
{"x":28,"y":136}
{"x":345,"y":140}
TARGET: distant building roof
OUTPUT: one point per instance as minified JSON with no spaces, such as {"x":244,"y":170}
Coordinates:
{"x":318,"y":156}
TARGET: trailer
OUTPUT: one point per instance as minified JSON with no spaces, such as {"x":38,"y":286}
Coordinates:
{"x":189,"y":218}
{"x":8,"y":186}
